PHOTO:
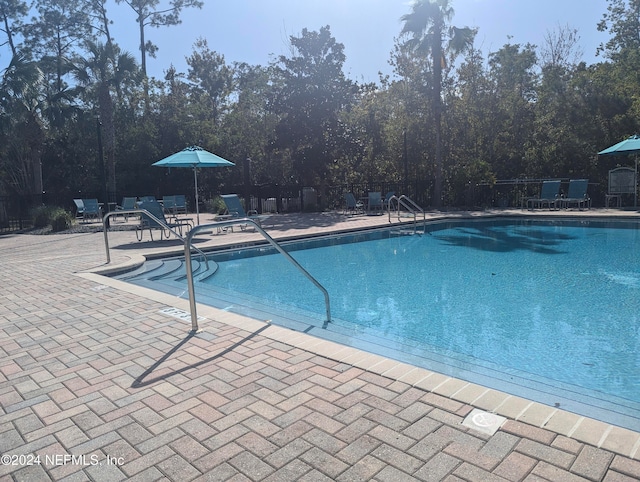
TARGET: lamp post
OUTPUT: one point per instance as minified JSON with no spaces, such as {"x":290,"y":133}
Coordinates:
{"x":101,"y":161}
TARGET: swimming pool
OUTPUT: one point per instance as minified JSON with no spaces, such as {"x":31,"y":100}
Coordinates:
{"x":545,"y":310}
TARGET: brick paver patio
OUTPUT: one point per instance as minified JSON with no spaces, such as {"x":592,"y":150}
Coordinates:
{"x":98,"y":383}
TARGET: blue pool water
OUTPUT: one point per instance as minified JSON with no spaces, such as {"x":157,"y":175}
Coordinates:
{"x":543,"y":310}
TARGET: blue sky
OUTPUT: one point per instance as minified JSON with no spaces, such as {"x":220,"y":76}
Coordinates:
{"x":254,"y":31}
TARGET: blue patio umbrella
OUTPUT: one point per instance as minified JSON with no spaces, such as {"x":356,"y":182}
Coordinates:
{"x":194,"y":157}
{"x":630,"y":145}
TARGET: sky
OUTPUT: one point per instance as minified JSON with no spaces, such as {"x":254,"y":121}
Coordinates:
{"x":257,"y":31}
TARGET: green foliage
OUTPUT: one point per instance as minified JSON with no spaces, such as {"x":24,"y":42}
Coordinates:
{"x":56,"y":217}
{"x":61,"y":220}
{"x":215,"y":205}
{"x":42,"y":216}
{"x":520,"y":112}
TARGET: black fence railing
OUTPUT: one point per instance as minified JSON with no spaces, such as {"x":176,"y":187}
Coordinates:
{"x":507,"y":193}
{"x":15,"y":211}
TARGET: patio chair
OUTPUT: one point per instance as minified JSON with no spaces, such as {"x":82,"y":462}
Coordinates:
{"x":576,"y":194}
{"x":147,"y":222}
{"x":375,"y":202}
{"x":128,"y":203}
{"x":352,"y":206}
{"x":91,"y":209}
{"x":79,"y":208}
{"x":387,"y":197}
{"x":169,"y":205}
{"x":549,"y":195}
{"x":622,"y":180}
{"x":235,"y":210}
{"x":180,"y":206}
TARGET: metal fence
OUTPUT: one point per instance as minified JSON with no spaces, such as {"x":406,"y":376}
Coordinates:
{"x":292,"y":198}
{"x":15,"y":211}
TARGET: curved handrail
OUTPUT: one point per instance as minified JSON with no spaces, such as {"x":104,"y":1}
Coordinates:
{"x":164,"y":225}
{"x":273,"y":242}
{"x":410,"y":205}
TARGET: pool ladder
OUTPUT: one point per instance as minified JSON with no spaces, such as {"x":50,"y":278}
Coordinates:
{"x":404,"y":207}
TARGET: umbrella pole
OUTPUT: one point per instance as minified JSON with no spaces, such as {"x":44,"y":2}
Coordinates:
{"x":195,"y":180}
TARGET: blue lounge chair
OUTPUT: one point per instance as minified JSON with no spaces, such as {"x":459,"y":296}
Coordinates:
{"x":352,"y":206}
{"x":375,"y":202}
{"x":387,"y":197}
{"x":549,"y":195}
{"x":235,"y":210}
{"x":174,"y":205}
{"x":128,"y":203}
{"x":169,"y":205}
{"x":576,"y":194}
{"x":79,"y":208}
{"x":180,"y":206}
{"x":91,"y":209}
{"x":147,"y":222}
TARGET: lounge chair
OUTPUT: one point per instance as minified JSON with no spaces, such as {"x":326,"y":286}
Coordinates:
{"x":549,"y":195}
{"x":180,"y":206}
{"x":375,"y":202}
{"x":387,"y":197}
{"x":91,"y":209}
{"x":79,"y":208}
{"x":128,"y":203}
{"x":174,"y":205}
{"x":576,"y":194}
{"x":147,"y":222}
{"x":169,"y":204}
{"x":235,"y":210}
{"x":352,"y":206}
{"x":622,"y":180}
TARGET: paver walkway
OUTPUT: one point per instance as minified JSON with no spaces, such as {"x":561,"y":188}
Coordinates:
{"x":98,"y":383}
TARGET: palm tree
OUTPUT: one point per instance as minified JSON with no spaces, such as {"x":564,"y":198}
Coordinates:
{"x":104,"y":69}
{"x":22,"y":132}
{"x":427,"y":25}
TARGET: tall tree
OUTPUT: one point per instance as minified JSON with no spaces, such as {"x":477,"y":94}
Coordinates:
{"x":55,"y":35}
{"x":12,"y":13}
{"x":313,"y":93}
{"x":512,"y":69}
{"x":427,"y":26}
{"x":149,"y":13}
{"x":21,"y":127}
{"x":212,"y":76}
{"x":622,"y":21}
{"x":99,"y":74}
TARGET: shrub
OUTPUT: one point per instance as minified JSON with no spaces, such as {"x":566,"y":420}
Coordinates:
{"x":215,"y":205}
{"x":41,"y":216}
{"x":56,"y":217}
{"x":61,"y":220}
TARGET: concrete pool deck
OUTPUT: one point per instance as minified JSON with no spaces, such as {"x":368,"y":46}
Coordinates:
{"x":101,"y":381}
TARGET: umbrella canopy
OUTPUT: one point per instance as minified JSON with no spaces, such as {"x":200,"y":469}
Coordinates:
{"x":194,"y":157}
{"x":631,"y":145}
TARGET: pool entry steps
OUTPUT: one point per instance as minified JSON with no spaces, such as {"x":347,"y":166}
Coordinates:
{"x":189,"y":263}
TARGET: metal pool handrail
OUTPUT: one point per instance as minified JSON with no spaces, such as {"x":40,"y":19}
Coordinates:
{"x":143,"y":211}
{"x":273,"y":242}
{"x":411,"y":206}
